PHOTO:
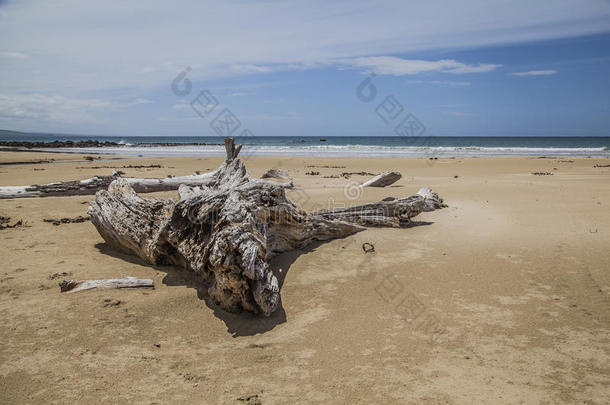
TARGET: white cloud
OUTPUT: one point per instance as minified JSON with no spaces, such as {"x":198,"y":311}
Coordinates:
{"x":391,"y":65}
{"x":276,"y":67}
{"x":57,"y":108}
{"x":381,"y":65}
{"x":137,"y":48}
{"x":250,"y":68}
{"x":535,"y":73}
{"x":189,"y":107}
{"x":50,"y":108}
{"x":449,"y":83}
{"x":142,"y":100}
{"x":440,"y":82}
{"x":13,"y":55}
{"x":141,"y":45}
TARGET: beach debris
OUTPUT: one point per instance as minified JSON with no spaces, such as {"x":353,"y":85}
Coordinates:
{"x":598,"y":165}
{"x":368,"y":247}
{"x":347,"y":175}
{"x":312,"y":173}
{"x":109,"y":302}
{"x":141,"y":167}
{"x":122,"y":167}
{"x":58,"y":275}
{"x":276,"y":174}
{"x":382,"y":180}
{"x":60,"y":221}
{"x":72,"y":286}
{"x":5,"y":223}
{"x":228,"y":230}
{"x":250,"y":399}
{"x":327,"y":167}
{"x":542,"y":174}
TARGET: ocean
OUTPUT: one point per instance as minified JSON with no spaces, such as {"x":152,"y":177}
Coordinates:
{"x":360,"y":146}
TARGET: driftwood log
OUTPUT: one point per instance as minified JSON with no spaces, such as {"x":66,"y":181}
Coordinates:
{"x":228,"y":229}
{"x":96,"y":183}
{"x":72,"y":286}
{"x":382,"y":180}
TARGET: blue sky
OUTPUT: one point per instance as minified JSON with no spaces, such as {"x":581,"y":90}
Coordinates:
{"x":292,"y":68}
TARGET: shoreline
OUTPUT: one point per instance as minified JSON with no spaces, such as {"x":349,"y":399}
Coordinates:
{"x":350,"y":147}
{"x":429,"y":154}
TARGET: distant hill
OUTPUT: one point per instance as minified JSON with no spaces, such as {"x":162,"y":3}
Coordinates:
{"x":6,"y":132}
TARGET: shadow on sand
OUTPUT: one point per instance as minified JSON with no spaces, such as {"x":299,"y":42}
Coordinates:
{"x":243,"y":323}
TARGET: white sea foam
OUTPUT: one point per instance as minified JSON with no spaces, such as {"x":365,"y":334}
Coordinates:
{"x":340,"y":150}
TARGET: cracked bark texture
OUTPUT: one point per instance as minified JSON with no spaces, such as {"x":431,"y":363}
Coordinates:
{"x":229,"y":228}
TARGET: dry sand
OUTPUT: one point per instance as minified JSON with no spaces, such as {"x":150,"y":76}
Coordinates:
{"x":503,"y":297}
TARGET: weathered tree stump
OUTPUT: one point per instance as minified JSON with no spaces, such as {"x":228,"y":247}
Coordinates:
{"x":228,"y":229}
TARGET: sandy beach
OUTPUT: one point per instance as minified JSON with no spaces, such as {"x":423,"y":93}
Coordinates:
{"x":502,"y":297}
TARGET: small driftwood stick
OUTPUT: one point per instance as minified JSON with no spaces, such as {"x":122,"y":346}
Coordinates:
{"x":382,"y":180}
{"x":72,"y":286}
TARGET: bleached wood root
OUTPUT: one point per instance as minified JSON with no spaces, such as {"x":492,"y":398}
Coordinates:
{"x":383,"y":179}
{"x":431,"y":200}
{"x":390,"y":212}
{"x":72,"y":286}
{"x":228,"y":229}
